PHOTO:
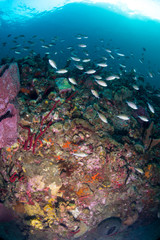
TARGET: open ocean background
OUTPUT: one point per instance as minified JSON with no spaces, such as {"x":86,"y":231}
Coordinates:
{"x":105,"y":26}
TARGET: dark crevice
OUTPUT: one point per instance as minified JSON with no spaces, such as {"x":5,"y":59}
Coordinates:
{"x":4,"y":69}
{"x":8,"y":114}
{"x":119,"y":134}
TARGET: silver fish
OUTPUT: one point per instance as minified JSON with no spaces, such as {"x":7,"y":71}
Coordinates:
{"x":86,"y":60}
{"x":102,"y":117}
{"x":122,"y":65}
{"x":82,"y":45}
{"x":91,"y":71}
{"x":80,"y":154}
{"x":95,"y":93}
{"x":80,"y":67}
{"x":102,"y":64}
{"x":111,"y":56}
{"x":150,"y":74}
{"x":135,"y":87}
{"x":120,"y":54}
{"x":45,"y":46}
{"x":76,"y":59}
{"x":123,"y":117}
{"x":144,"y":118}
{"x":97,"y":77}
{"x":151,"y":108}
{"x":104,"y":58}
{"x":52,"y":63}
{"x":62,"y":71}
{"x":73,"y":81}
{"x":112,"y":77}
{"x":108,"y":50}
{"x":132,"y":105}
{"x":101,"y":83}
{"x":140,"y":170}
{"x":17,"y":52}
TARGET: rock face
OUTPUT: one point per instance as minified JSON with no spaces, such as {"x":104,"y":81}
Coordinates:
{"x":105,"y":229}
{"x":9,"y":88}
{"x":86,"y":179}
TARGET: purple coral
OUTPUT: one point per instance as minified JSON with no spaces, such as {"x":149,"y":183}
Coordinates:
{"x":9,"y":88}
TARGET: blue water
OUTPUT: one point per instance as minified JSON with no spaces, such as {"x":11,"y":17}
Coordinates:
{"x":104,"y":28}
{"x":136,"y":37}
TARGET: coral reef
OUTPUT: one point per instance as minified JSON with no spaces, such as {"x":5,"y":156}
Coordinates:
{"x":71,"y":175}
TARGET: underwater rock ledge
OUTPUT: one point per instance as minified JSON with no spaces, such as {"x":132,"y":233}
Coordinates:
{"x":70,"y":172}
